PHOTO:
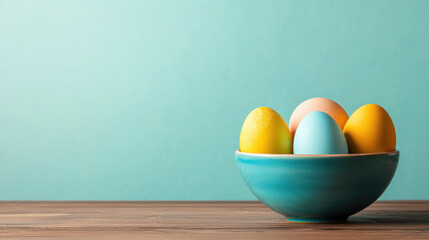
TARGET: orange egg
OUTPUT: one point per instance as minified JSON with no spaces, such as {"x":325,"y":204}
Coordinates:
{"x":325,"y":105}
{"x":370,"y":129}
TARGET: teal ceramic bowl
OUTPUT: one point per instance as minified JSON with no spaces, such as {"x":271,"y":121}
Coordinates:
{"x":317,"y":188}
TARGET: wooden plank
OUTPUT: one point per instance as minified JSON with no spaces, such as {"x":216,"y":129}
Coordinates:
{"x":201,"y":220}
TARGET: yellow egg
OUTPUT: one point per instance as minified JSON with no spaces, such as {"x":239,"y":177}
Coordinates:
{"x":265,"y":131}
{"x":370,"y":129}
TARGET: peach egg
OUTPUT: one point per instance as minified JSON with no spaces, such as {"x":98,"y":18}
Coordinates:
{"x":333,"y":109}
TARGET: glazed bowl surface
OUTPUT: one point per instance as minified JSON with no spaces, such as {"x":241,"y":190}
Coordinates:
{"x":317,"y":188}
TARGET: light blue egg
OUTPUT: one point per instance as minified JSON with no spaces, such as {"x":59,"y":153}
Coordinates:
{"x":318,"y":133}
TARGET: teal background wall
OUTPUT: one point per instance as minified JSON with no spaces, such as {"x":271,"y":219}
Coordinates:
{"x":144,"y":100}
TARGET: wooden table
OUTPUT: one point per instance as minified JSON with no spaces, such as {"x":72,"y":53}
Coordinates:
{"x":201,"y":220}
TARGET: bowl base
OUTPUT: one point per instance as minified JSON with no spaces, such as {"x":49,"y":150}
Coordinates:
{"x":318,"y":220}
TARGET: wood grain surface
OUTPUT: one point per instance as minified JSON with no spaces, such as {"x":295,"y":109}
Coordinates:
{"x":201,"y":220}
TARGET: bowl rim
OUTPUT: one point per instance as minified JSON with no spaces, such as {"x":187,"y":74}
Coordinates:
{"x":270,"y":155}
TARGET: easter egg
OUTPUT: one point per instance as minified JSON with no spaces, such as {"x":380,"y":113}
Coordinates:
{"x":265,"y":131}
{"x":370,"y":129}
{"x":319,"y":133}
{"x":328,"y":106}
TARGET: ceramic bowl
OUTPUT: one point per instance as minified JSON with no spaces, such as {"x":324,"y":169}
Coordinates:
{"x":317,"y":188}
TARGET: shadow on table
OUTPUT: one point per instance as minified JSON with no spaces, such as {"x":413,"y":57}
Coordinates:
{"x":392,"y":217}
